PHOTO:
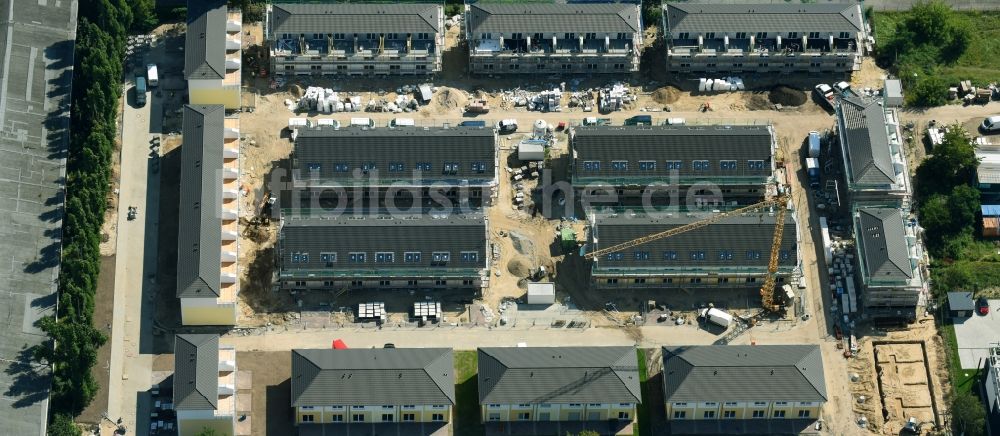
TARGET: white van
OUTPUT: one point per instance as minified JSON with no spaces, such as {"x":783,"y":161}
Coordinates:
{"x":402,"y":122}
{"x":364,"y":122}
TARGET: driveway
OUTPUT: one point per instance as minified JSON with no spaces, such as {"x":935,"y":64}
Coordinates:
{"x":975,"y":334}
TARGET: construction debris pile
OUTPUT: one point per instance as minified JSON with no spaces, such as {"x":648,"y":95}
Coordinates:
{"x":545,"y":101}
{"x":724,"y":84}
{"x":402,"y":103}
{"x":324,"y":100}
{"x":615,"y":97}
{"x":583,"y":99}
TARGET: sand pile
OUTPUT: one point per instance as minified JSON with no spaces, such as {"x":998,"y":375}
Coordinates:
{"x":447,"y":99}
{"x":518,"y":267}
{"x":666,"y":95}
{"x":786,"y":96}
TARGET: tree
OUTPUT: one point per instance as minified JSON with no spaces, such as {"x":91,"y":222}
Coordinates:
{"x":968,"y":415}
{"x":62,"y":425}
{"x":953,"y":163}
{"x":205,"y":431}
{"x":928,"y":90}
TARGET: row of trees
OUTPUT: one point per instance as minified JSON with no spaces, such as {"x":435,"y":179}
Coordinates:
{"x":97,"y":72}
{"x":931,"y":34}
{"x":947,"y":204}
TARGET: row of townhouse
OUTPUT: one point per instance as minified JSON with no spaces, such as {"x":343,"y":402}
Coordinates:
{"x":388,"y":208}
{"x":338,"y":236}
{"x":889,"y":251}
{"x":585,"y":37}
{"x":521,"y":390}
{"x":207,"y":279}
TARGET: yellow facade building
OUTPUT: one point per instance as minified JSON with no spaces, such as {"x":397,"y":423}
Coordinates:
{"x":208,"y":217}
{"x":543,"y":388}
{"x":212,"y":53}
{"x":730,"y":389}
{"x":204,"y":385}
{"x":409,"y":386}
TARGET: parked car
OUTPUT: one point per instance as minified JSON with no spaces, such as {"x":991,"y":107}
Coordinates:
{"x":991,"y":124}
{"x":982,"y":306}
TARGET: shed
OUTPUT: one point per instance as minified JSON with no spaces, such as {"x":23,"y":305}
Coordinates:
{"x":531,"y":150}
{"x":991,"y":220}
{"x":541,"y":293}
{"x":893,"y":91}
{"x":960,"y":304}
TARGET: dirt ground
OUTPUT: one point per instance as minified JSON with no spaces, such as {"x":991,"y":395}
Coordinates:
{"x":899,"y":375}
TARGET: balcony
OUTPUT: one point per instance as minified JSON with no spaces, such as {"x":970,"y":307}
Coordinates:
{"x":232,"y":64}
{"x":230,"y":193}
{"x":227,"y":365}
{"x":229,"y":214}
{"x":231,"y":133}
{"x":233,"y":26}
{"x":232,"y":44}
{"x":229,"y":235}
{"x":228,"y":256}
{"x":231,"y":152}
{"x":230,"y":173}
{"x":228,"y":277}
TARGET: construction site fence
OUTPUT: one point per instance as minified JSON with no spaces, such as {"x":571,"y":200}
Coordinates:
{"x":568,"y":325}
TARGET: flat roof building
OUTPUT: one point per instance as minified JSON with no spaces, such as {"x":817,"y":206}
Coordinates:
{"x":731,"y":253}
{"x":764,"y":38}
{"x":355,"y":39}
{"x":356,"y":251}
{"x":535,"y":38}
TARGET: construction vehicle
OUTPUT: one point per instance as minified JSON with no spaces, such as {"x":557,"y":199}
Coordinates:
{"x":478,"y":107}
{"x":767,"y":290}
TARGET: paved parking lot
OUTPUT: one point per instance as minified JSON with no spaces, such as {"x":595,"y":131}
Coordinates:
{"x":975,"y":334}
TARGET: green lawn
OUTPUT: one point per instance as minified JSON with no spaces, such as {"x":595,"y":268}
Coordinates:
{"x":963,"y":379}
{"x":467,"y":394}
{"x":981,"y":60}
{"x":642,"y":421}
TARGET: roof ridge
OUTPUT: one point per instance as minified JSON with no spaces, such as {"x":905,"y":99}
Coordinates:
{"x":802,"y":372}
{"x":434,"y":379}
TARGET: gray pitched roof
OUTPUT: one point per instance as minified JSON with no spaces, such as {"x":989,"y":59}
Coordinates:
{"x":578,"y":18}
{"x":325,"y":148}
{"x":196,"y":372}
{"x":397,"y":376}
{"x":736,"y":235}
{"x":355,"y":18}
{"x":199,"y":254}
{"x":344,"y":235}
{"x":883,"y":244}
{"x":205,"y":40}
{"x":961,"y":301}
{"x":661,"y":143}
{"x":863,"y":125}
{"x":772,"y":18}
{"x":558,"y":375}
{"x":743,"y":373}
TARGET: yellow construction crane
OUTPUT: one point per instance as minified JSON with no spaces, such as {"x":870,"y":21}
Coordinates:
{"x":767,"y":290}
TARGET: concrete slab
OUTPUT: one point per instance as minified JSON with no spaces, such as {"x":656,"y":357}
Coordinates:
{"x":975,"y":334}
{"x":244,"y":380}
{"x":244,"y":402}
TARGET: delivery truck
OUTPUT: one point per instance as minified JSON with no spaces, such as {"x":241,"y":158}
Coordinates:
{"x":717,"y":317}
{"x":152,"y":76}
{"x":814,"y":144}
{"x":140,"y":91}
{"x":812,"y":169}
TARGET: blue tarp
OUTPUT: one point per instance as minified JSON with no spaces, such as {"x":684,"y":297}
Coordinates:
{"x":991,"y":210}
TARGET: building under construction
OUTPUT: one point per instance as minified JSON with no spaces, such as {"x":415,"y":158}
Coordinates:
{"x":731,"y":253}
{"x":889,"y":255}
{"x":355,"y":39}
{"x":533,"y":38}
{"x":406,"y":168}
{"x":764,"y":38}
{"x":676,"y":165}
{"x":382,"y":251}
